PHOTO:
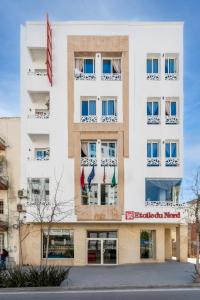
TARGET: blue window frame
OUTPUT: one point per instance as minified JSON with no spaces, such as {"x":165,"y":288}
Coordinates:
{"x":170,"y":65}
{"x":88,"y":108}
{"x":152,"y":108}
{"x":170,"y":149}
{"x":89,"y":65}
{"x":173,"y":108}
{"x":152,"y":149}
{"x":108,"y":107}
{"x":152,"y":65}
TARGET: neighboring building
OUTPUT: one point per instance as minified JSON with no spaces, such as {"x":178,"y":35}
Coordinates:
{"x":114,"y":113}
{"x":9,"y":185}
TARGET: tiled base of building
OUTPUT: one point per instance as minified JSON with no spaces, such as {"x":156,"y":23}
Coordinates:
{"x":108,"y":244}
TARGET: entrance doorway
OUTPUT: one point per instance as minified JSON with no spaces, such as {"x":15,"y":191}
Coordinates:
{"x":102,"y":247}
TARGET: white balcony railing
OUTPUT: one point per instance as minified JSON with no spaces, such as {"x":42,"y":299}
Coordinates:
{"x":172,"y":162}
{"x":171,"y":120}
{"x":111,"y":76}
{"x":41,"y":72}
{"x":153,"y":76}
{"x":153,"y":119}
{"x":84,"y":76}
{"x":39,"y":115}
{"x":109,"y":119}
{"x":88,"y":161}
{"x":153,"y":162}
{"x":89,"y":119}
{"x":171,"y":76}
{"x":109,"y":162}
{"x":165,"y":203}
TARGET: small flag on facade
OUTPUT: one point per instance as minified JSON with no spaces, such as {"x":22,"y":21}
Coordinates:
{"x":113,"y":182}
{"x":91,"y":177}
{"x":104,"y":175}
{"x":82,"y":179}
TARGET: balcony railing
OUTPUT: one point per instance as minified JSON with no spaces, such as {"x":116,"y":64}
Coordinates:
{"x":89,"y":119}
{"x":109,"y":119}
{"x":171,"y":120}
{"x":3,"y":182}
{"x":88,"y":161}
{"x":39,"y":115}
{"x":42,"y":72}
{"x":109,"y":162}
{"x":165,"y":203}
{"x":111,"y":76}
{"x":153,"y":162}
{"x":153,"y":76}
{"x":153,"y":119}
{"x":172,"y":162}
{"x":84,"y":76}
{"x":171,"y":76}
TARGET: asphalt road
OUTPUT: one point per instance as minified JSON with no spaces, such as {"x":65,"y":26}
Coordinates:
{"x":150,"y":294}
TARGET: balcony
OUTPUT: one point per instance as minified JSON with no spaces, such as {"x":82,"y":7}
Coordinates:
{"x":109,"y":119}
{"x":37,"y":72}
{"x":109,"y":162}
{"x":84,"y":76}
{"x":39,"y":114}
{"x":2,"y":144}
{"x":153,"y":119}
{"x":153,"y":162}
{"x":172,"y":162}
{"x":171,"y":120}
{"x":89,"y":119}
{"x":171,"y":76}
{"x":88,"y":161}
{"x":153,"y":76}
{"x":111,"y":76}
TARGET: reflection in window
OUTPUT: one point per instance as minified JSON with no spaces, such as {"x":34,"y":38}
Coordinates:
{"x":170,"y":108}
{"x":111,"y":66}
{"x":163,"y":189}
{"x":90,"y":197}
{"x":108,"y":107}
{"x":108,"y":149}
{"x":108,"y":194}
{"x":88,"y":149}
{"x":147,"y":244}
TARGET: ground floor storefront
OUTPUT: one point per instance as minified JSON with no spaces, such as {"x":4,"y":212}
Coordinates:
{"x":102,"y":244}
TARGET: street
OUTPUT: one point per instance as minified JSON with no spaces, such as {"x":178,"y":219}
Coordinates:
{"x":141,"y":294}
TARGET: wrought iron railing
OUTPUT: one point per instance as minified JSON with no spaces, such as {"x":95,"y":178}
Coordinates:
{"x":171,"y":120}
{"x":85,"y":76}
{"x":153,"y":120}
{"x":89,"y":119}
{"x":109,"y":162}
{"x":88,"y":161}
{"x":171,"y":76}
{"x":153,"y":76}
{"x":111,"y":76}
{"x":153,"y":162}
{"x":172,"y":162}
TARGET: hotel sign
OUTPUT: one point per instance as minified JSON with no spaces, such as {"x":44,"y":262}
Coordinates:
{"x":131,"y":215}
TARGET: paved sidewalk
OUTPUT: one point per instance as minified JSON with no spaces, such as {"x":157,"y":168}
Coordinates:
{"x":171,"y":273}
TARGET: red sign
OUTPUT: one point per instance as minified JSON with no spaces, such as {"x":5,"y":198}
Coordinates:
{"x":49,"y":51}
{"x":131,"y":215}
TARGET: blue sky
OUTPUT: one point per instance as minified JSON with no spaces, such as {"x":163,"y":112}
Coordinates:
{"x":16,"y":12}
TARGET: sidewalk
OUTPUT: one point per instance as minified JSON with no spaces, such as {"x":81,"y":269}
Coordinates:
{"x":169,"y":274}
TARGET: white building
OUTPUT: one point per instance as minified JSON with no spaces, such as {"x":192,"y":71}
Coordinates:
{"x":115,"y":103}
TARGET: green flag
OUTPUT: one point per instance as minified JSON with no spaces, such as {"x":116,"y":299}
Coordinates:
{"x":113,"y":182}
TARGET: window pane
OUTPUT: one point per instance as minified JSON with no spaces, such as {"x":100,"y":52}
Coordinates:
{"x":88,"y":65}
{"x":90,"y":197}
{"x":104,"y":150}
{"x":92,"y":107}
{"x":173,"y":149}
{"x":104,"y":108}
{"x":112,"y":149}
{"x":167,"y":150}
{"x":106,"y":66}
{"x":173,"y":108}
{"x":84,"y":108}
{"x":147,"y":244}
{"x":155,"y":108}
{"x":111,"y":107}
{"x":108,"y":194}
{"x":171,"y":65}
{"x":166,"y":66}
{"x":148,"y":149}
{"x":155,"y":149}
{"x":149,"y":108}
{"x":155,"y":65}
{"x":149,"y":65}
{"x":92,"y":149}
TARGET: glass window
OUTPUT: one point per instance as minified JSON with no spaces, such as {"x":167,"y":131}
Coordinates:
{"x":162,"y":189}
{"x":152,"y":65}
{"x":102,"y":234}
{"x":38,"y":189}
{"x":61,"y":244}
{"x":170,"y":65}
{"x":108,"y":194}
{"x":1,"y":242}
{"x":108,"y":149}
{"x":89,"y":197}
{"x":88,"y":65}
{"x":108,"y":107}
{"x":88,"y":108}
{"x":149,"y":65}
{"x":149,"y":108}
{"x":152,"y":149}
{"x":88,"y":149}
{"x":107,"y":64}
{"x":170,"y":149}
{"x":42,"y":154}
{"x":1,"y":207}
{"x":152,"y":108}
{"x":173,"y":108}
{"x":92,"y":149}
{"x":147,"y":244}
{"x":92,"y":107}
{"x":84,"y":108}
{"x":155,"y":65}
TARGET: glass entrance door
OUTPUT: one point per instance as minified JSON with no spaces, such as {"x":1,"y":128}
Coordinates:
{"x":94,"y":251}
{"x":109,"y":251}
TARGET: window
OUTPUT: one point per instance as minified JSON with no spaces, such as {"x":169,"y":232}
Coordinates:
{"x":84,"y":65}
{"x":1,"y":242}
{"x":170,"y":149}
{"x":152,"y":149}
{"x":88,"y":107}
{"x":111,"y":65}
{"x":108,"y":149}
{"x":89,"y":197}
{"x":170,"y":108}
{"x":152,"y":108}
{"x":108,"y":194}
{"x":88,"y":149}
{"x":42,"y":154}
{"x":38,"y":190}
{"x":108,"y":107}
{"x":152,"y":65}
{"x":162,"y":189}
{"x":1,"y":207}
{"x":102,"y":234}
{"x":61,"y":243}
{"x":147,"y":244}
{"x":170,"y":65}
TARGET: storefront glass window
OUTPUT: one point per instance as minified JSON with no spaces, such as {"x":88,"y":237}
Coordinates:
{"x":147,"y":244}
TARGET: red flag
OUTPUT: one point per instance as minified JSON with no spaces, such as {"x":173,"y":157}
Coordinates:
{"x":104,"y":175}
{"x":82,"y":180}
{"x":49,"y":51}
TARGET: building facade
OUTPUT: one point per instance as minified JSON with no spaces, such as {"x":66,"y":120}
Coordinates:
{"x":104,"y":136}
{"x":9,"y":185}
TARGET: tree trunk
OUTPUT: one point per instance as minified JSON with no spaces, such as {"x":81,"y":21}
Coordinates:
{"x":197,"y":253}
{"x":47,"y":247}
